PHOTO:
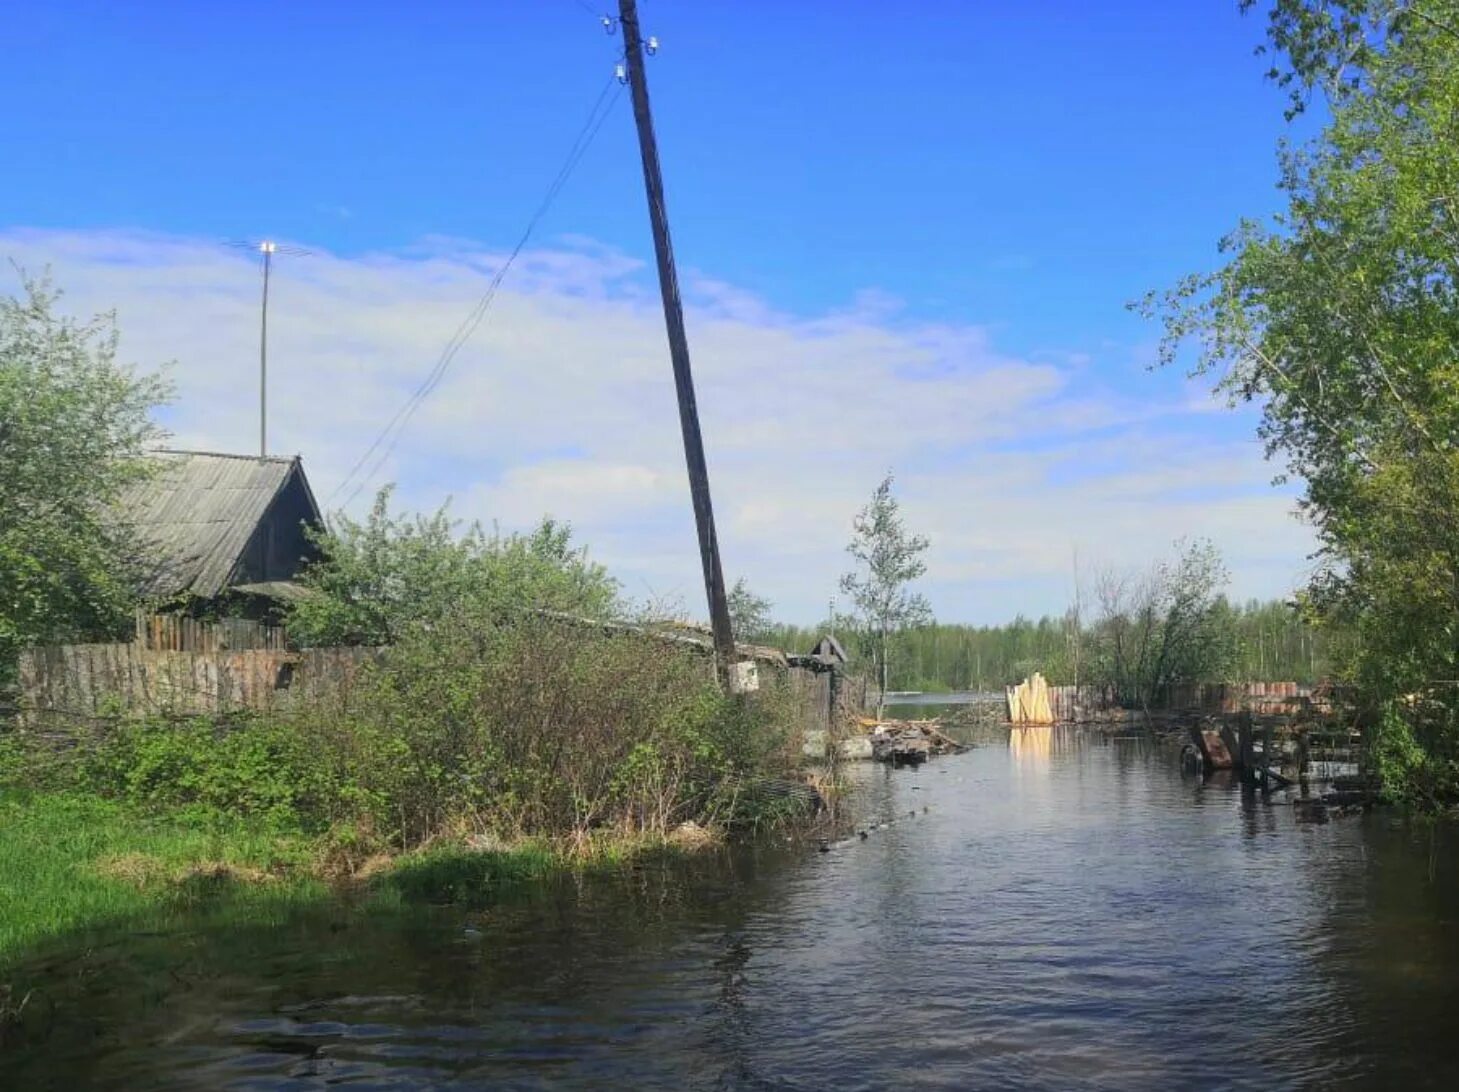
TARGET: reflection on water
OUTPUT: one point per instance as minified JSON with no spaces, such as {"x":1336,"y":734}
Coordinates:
{"x":1031,"y":746}
{"x":1049,"y":910}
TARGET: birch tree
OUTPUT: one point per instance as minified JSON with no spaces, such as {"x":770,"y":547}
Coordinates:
{"x":749,"y":613}
{"x":888,"y":559}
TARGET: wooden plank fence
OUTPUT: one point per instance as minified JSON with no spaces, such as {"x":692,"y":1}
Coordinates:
{"x":91,"y":680}
{"x":177,"y":633}
{"x":1071,"y":704}
{"x":88,"y":681}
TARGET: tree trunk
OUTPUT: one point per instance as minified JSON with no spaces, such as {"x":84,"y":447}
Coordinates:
{"x":881,"y":701}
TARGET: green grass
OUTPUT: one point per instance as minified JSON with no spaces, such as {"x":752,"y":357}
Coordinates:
{"x":73,"y":864}
{"x":465,"y":876}
{"x":70,"y":862}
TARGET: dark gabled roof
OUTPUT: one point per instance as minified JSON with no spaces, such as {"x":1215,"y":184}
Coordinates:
{"x":196,"y":515}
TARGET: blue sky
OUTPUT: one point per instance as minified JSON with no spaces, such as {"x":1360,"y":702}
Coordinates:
{"x":943,"y":207}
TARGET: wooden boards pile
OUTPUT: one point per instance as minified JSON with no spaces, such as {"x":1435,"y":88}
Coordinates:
{"x":1028,"y":702}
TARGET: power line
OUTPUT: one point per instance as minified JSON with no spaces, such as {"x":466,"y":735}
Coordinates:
{"x":390,"y":435}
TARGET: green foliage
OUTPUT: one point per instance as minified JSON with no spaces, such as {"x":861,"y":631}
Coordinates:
{"x":1266,"y":641}
{"x":73,"y":427}
{"x":257,"y":769}
{"x":888,"y":559}
{"x":536,"y":728}
{"x":378,"y":579}
{"x":1163,"y":627}
{"x":1341,"y":321}
{"x":749,"y":613}
{"x":546,"y":727}
{"x":451,"y":874}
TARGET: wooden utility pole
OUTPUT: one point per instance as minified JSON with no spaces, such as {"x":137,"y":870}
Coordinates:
{"x":724,"y":640}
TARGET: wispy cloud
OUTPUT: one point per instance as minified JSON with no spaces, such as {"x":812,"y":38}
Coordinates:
{"x":563,"y":403}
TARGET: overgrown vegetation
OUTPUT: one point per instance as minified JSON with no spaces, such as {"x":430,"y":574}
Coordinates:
{"x":471,"y":752}
{"x":1341,"y":322}
{"x":74,"y":860}
{"x":73,"y":427}
{"x":468,"y":730}
{"x":497,"y":728}
{"x":378,"y":579}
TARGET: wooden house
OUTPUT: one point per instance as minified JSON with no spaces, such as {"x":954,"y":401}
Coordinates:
{"x":218,"y":526}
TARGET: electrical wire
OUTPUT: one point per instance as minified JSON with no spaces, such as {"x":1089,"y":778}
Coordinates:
{"x":390,"y":435}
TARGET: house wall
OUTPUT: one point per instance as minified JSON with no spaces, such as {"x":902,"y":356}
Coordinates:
{"x":279,"y":548}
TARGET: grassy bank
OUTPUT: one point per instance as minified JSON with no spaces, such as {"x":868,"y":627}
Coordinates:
{"x":74,"y":863}
{"x":69,"y":861}
{"x":467,"y":757}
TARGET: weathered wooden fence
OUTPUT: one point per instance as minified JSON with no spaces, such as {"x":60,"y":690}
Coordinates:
{"x":89,"y":680}
{"x":177,"y":633}
{"x":1071,"y":703}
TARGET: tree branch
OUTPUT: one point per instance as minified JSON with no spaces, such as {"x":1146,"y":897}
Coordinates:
{"x":1292,"y":388}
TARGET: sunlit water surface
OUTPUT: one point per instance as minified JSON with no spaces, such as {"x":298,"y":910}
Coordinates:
{"x":1056,"y":912}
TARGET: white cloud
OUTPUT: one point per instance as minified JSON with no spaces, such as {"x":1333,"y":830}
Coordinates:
{"x":563,"y":402}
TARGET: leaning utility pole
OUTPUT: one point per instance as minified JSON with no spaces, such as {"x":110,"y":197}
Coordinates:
{"x":724,"y":639}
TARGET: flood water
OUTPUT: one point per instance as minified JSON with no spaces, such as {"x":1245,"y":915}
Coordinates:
{"x":1066,"y":912}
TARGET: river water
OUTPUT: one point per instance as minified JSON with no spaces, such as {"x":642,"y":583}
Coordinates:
{"x":1063,"y":913}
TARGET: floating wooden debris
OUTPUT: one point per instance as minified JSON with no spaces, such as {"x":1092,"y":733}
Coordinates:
{"x":908,"y":742}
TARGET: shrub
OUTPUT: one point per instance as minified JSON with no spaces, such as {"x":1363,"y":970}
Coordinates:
{"x":539,"y":728}
{"x":544,"y":727}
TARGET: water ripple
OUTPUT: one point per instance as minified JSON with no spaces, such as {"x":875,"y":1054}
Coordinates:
{"x":1077,"y":919}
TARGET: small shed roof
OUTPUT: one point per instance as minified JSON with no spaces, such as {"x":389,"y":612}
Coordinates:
{"x":197,"y":514}
{"x":829,"y":648}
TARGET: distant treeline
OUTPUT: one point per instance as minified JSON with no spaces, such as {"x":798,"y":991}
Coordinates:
{"x":1267,"y":641}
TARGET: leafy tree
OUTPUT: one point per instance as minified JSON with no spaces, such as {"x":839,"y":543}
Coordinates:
{"x":1341,"y":321}
{"x":1165,"y":626}
{"x":749,"y":613}
{"x":888,"y":559}
{"x":74,"y":425}
{"x":1272,"y":641}
{"x":378,"y":578}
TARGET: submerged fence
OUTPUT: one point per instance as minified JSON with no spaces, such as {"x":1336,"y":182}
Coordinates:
{"x":1076,"y":703}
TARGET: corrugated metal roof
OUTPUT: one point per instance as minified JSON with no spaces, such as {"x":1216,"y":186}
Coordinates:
{"x":196,"y":515}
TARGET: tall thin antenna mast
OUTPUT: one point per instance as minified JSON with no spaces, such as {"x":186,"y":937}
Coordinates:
{"x":267,"y":248}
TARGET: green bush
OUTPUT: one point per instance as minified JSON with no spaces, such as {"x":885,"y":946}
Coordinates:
{"x":1411,"y":751}
{"x":536,"y":729}
{"x":253,"y":768}
{"x":543,"y":727}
